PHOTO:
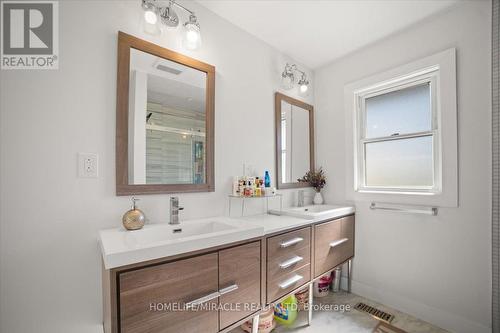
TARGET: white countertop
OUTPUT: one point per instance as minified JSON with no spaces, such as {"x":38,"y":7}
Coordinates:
{"x":275,"y":223}
{"x":120,"y":247}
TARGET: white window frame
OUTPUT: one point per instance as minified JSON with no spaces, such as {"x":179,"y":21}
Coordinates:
{"x":425,"y":76}
{"x":446,"y":101}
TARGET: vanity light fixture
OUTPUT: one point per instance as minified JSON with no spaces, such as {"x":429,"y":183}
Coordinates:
{"x":155,"y":13}
{"x":288,"y":78}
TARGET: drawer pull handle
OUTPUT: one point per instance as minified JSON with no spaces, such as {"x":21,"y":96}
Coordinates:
{"x":202,"y":300}
{"x":338,"y":242}
{"x":211,"y":296}
{"x":229,"y":289}
{"x":291,"y":242}
{"x":291,"y":281}
{"x":290,"y":262}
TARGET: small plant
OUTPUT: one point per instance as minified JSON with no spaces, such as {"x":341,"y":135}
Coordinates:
{"x":316,"y":178}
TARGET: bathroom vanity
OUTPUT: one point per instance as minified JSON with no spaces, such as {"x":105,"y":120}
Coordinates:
{"x":222,"y":283}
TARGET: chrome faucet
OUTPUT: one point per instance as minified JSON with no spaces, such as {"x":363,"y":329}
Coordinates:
{"x":300,"y":198}
{"x":174,"y":210}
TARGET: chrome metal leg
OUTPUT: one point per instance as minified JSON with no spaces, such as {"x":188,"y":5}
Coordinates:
{"x":349,"y":275}
{"x":255,"y":324}
{"x":310,"y":303}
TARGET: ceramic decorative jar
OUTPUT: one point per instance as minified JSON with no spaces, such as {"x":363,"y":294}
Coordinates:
{"x":318,"y":198}
{"x":134,"y":218}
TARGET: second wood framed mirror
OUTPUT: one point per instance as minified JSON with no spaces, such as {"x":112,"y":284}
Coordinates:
{"x":294,"y":122}
{"x":164,"y":120}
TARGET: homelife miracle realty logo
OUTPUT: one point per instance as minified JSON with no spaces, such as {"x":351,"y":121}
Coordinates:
{"x":30,"y":35}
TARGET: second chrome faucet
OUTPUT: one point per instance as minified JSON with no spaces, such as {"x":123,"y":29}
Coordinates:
{"x":300,"y":198}
{"x":174,"y":210}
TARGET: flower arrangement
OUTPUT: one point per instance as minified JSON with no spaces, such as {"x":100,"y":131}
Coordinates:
{"x":316,"y":178}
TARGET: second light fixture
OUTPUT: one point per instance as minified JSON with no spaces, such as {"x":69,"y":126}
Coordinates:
{"x":289,"y":78}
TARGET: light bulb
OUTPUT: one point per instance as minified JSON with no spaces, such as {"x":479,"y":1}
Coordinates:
{"x":192,"y":36}
{"x":150,"y":17}
{"x":150,"y":20}
{"x":303,"y":84}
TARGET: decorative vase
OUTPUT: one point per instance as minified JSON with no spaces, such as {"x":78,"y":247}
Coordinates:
{"x":318,"y":198}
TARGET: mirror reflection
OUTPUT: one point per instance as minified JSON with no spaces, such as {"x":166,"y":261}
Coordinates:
{"x":295,"y":142}
{"x":167,"y":121}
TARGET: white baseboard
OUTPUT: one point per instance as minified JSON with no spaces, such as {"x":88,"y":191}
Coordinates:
{"x":437,"y":317}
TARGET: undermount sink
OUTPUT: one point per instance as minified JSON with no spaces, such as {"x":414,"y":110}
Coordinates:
{"x":313,"y":212}
{"x":121,"y":247}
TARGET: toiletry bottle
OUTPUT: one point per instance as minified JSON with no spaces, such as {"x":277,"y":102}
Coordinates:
{"x":241,"y":187}
{"x":247,"y":189}
{"x":258,"y":192}
{"x":267,"y":179}
{"x":236,"y":186}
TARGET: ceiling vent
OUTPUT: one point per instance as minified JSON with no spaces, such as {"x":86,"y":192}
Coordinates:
{"x":168,"y":69}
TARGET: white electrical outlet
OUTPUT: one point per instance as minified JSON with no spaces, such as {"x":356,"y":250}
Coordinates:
{"x":88,"y":165}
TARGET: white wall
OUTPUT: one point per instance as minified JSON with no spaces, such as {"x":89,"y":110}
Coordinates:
{"x":50,"y":263}
{"x":436,"y":268}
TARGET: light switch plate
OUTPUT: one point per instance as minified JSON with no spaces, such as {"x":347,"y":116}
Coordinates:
{"x":88,"y":165}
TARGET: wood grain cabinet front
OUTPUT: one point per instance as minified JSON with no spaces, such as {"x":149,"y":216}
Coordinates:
{"x":333,"y":244}
{"x":288,"y":262}
{"x":206,"y":293}
{"x":239,"y":282}
{"x":168,"y":298}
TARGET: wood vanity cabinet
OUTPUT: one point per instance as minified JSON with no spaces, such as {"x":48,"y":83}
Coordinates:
{"x":333,"y":244}
{"x":230,"y":283}
{"x":219,"y":285}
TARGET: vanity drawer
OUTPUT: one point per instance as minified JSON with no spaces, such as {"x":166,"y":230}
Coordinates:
{"x":284,"y":245}
{"x":333,"y":244}
{"x":286,"y":283}
{"x":240,"y":269}
{"x":175,"y":283}
{"x":288,"y":262}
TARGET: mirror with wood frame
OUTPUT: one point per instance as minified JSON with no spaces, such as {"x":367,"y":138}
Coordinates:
{"x":164,"y":120}
{"x":294,"y":141}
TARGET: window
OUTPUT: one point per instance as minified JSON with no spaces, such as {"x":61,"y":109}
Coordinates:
{"x":398,"y":135}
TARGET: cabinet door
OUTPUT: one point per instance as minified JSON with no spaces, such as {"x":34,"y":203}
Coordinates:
{"x":347,"y":232}
{"x":146,"y":295}
{"x":334,"y":244}
{"x":239,"y":282}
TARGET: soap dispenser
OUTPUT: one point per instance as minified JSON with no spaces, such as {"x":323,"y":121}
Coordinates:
{"x":134,"y":219}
